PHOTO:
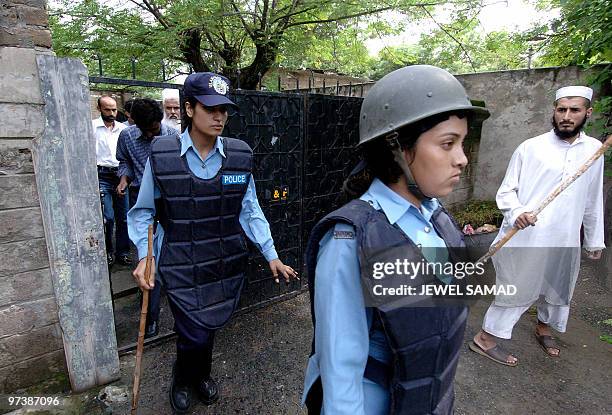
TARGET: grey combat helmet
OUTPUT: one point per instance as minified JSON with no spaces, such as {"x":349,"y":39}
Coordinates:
{"x":411,"y":94}
{"x":405,"y":96}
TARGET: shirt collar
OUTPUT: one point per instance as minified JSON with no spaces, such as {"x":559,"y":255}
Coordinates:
{"x":395,"y":206}
{"x":578,"y":139}
{"x":99,"y":122}
{"x":187,"y":142}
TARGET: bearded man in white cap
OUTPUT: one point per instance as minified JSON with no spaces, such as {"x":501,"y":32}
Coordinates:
{"x":172,"y":108}
{"x":543,"y":259}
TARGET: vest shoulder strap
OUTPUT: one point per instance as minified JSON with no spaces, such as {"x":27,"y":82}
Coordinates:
{"x":166,"y":144}
{"x":239,"y":155}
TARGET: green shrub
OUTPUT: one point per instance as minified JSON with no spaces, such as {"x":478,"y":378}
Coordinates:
{"x":477,"y":213}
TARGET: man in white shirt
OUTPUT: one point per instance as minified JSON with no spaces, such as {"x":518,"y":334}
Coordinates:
{"x":543,"y":259}
{"x":172,"y":108}
{"x":106,"y":133}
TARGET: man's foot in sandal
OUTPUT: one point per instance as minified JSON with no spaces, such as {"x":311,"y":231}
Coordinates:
{"x":485,"y":345}
{"x":546,"y":341}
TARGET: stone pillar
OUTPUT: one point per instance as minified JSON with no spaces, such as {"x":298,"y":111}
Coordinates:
{"x":41,"y":311}
{"x":30,"y":337}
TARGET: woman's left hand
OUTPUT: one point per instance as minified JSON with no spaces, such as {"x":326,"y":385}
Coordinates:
{"x":277,"y":267}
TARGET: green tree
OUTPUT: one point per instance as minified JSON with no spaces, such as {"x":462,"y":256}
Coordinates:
{"x":226,"y":35}
{"x":469,"y":51}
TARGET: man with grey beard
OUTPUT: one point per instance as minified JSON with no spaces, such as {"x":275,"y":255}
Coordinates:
{"x":543,"y":259}
{"x":172,"y":108}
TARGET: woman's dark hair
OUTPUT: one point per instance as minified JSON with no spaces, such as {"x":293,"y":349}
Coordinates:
{"x":185,"y":119}
{"x":146,"y":112}
{"x":379,"y":160}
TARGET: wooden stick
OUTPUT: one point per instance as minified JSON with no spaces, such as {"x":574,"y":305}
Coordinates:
{"x":143,"y":319}
{"x":494,"y":248}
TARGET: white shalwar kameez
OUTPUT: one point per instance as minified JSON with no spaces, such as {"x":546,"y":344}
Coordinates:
{"x":543,"y":261}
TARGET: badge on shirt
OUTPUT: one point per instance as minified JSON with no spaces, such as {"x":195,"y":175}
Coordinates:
{"x":344,"y":235}
{"x":229,"y":179}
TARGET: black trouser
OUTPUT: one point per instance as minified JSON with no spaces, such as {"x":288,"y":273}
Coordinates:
{"x":194,"y":346}
{"x":114,"y":211}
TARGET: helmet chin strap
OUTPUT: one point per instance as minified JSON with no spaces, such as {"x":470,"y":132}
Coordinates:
{"x":399,"y":158}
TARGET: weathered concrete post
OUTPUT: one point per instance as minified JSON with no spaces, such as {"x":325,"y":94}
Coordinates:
{"x":55,"y":304}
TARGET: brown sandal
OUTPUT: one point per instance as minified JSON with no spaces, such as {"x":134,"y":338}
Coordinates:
{"x":548,"y":342}
{"x":495,"y":353}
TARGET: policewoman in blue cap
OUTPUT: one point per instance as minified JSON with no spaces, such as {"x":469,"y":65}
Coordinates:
{"x":371,"y":358}
{"x":201,"y":188}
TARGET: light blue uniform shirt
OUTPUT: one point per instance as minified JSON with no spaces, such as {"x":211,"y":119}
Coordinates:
{"x":251,"y":217}
{"x":343,"y":339}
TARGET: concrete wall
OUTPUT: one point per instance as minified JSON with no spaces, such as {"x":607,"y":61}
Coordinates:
{"x":30,"y":337}
{"x":520,"y":102}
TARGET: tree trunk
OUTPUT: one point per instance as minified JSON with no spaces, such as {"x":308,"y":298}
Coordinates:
{"x":190,"y":41}
{"x":264,"y":60}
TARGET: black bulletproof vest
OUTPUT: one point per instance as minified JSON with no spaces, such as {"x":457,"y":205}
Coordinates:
{"x":425,"y":341}
{"x":204,"y":253}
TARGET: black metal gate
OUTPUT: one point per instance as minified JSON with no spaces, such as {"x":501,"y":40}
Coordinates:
{"x":272,"y":124}
{"x":304,"y":149}
{"x":303,"y":146}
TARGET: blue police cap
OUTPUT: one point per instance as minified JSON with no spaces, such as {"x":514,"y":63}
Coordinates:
{"x":209,"y":88}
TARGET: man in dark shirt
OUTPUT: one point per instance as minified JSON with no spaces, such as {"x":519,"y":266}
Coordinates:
{"x":134,"y":145}
{"x":133,"y":149}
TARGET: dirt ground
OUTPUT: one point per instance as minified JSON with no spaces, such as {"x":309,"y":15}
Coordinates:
{"x":260,"y":359}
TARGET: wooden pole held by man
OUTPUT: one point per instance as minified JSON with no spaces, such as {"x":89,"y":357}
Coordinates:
{"x":600,"y":152}
{"x":143,"y":319}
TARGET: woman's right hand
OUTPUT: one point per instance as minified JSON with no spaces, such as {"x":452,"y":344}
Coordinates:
{"x":139,"y":274}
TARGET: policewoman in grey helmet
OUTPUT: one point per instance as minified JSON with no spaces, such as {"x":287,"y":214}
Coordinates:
{"x":377,"y":359}
{"x":201,"y":188}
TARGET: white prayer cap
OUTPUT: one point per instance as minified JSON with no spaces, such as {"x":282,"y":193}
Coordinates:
{"x":574,"y":91}
{"x":170,"y":93}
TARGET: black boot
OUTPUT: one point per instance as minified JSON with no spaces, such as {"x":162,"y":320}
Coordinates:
{"x":206,"y":386}
{"x":180,"y":390}
{"x":151,"y":329}
{"x":208,"y":391}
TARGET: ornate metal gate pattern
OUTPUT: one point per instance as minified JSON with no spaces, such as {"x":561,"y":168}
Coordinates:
{"x":303,"y":144}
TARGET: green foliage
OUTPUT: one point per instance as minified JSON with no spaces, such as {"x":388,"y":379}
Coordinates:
{"x":336,"y":47}
{"x":477,"y":213}
{"x":88,"y":29}
{"x":459,"y":47}
{"x":223,"y":36}
{"x":581,"y":35}
{"x":606,"y":338}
